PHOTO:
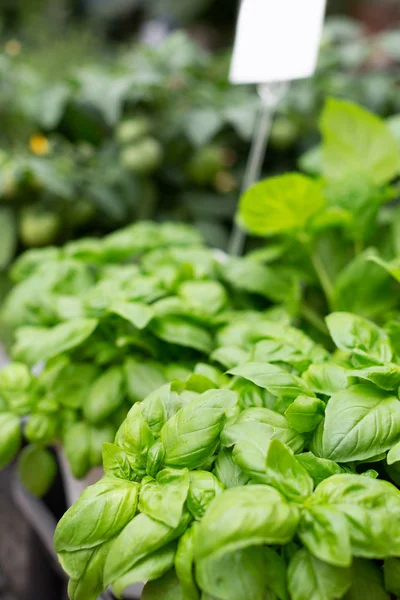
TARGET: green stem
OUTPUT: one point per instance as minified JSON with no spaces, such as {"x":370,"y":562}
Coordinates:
{"x":323,"y":277}
{"x":314,"y":319}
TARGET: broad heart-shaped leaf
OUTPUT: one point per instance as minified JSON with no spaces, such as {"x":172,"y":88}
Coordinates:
{"x":163,"y":498}
{"x":360,"y":422}
{"x":368,"y":343}
{"x":244,"y":516}
{"x":235,"y":575}
{"x":356,"y":141}
{"x":366,"y":582}
{"x":182,"y":332}
{"x":280,"y":204}
{"x":312,"y":579}
{"x":101,"y":512}
{"x":372,"y":510}
{"x":324,"y":531}
{"x":271,"y":377}
{"x":140,"y":538}
{"x":34,"y":344}
{"x":285,"y":473}
{"x":191,"y":435}
{"x":136,"y":313}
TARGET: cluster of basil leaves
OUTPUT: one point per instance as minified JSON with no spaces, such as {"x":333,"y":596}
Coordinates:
{"x":111,"y":320}
{"x":265,"y":487}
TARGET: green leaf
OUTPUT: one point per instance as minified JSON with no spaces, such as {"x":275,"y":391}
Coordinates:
{"x":234,"y":575}
{"x":181,"y":332}
{"x":139,"y":539}
{"x":165,"y":588}
{"x":318,"y":468}
{"x":305,"y":413}
{"x":149,"y":568}
{"x":285,"y":473}
{"x":191,"y":435}
{"x":138,"y":314}
{"x":386,"y":377}
{"x":159,"y":406}
{"x":136,"y":438}
{"x":72,"y":384}
{"x":327,"y":378}
{"x":393,"y":454}
{"x":374,"y":536}
{"x":115,"y":462}
{"x":324,"y":532}
{"x":8,"y":240}
{"x":229,"y":356}
{"x":356,"y":141}
{"x":202,"y":490}
{"x":310,"y":578}
{"x":85,"y":568}
{"x":76,"y":442}
{"x":39,"y":343}
{"x":280,"y":204}
{"x":163,"y":498}
{"x":106,"y":395}
{"x":366,"y":582}
{"x":10,"y":438}
{"x":204,"y":297}
{"x":391,"y":573}
{"x":276,"y":380}
{"x":360,"y":422}
{"x":242,"y":517}
{"x":142,"y":378}
{"x":227,"y":470}
{"x":392,"y":267}
{"x":184,"y":566}
{"x":368,"y":343}
{"x":101,"y":512}
{"x":37,"y":469}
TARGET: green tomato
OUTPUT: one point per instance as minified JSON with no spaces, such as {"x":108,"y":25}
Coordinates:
{"x":283,"y":133}
{"x":38,"y":228}
{"x":132,"y":130}
{"x":205,"y":164}
{"x":144,"y":157}
{"x":37,"y":469}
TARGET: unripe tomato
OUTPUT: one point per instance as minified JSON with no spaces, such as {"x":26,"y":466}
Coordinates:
{"x":283,"y":133}
{"x":143,"y":158}
{"x":132,"y":130}
{"x":38,"y":228}
{"x":205,"y":164}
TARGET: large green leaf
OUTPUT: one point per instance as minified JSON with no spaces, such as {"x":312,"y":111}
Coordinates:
{"x":356,"y":141}
{"x":280,"y":204}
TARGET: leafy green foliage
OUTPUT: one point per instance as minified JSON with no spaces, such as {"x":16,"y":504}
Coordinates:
{"x":244,"y":501}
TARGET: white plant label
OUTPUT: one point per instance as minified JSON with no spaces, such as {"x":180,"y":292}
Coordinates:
{"x":277,"y":40}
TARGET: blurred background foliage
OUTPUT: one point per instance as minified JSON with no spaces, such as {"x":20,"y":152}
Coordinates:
{"x":120,"y":110}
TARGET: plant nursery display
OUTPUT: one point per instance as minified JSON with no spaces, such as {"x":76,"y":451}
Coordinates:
{"x":111,"y":320}
{"x":285,"y":492}
{"x":139,"y":132}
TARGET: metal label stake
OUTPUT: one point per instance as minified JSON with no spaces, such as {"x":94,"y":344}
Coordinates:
{"x":270,"y":95}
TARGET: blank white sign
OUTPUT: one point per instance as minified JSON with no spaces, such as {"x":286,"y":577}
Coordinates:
{"x":277,"y":40}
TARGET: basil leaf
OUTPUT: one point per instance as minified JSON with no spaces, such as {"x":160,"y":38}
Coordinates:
{"x":167,"y":588}
{"x":391,"y":573}
{"x":10,"y":438}
{"x":184,"y":566}
{"x":309,"y":577}
{"x":137,"y":313}
{"x":163,"y":498}
{"x":202,"y":490}
{"x":327,"y":378}
{"x":305,"y":413}
{"x":276,"y":380}
{"x":367,"y":582}
{"x":227,"y":470}
{"x":37,"y":469}
{"x":285,"y":473}
{"x":142,"y":378}
{"x":360,"y":422}
{"x":106,"y":395}
{"x":324,"y":531}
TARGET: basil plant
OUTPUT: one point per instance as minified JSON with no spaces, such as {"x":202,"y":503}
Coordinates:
{"x":111,"y":320}
{"x":337,"y":230}
{"x":281,"y":483}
